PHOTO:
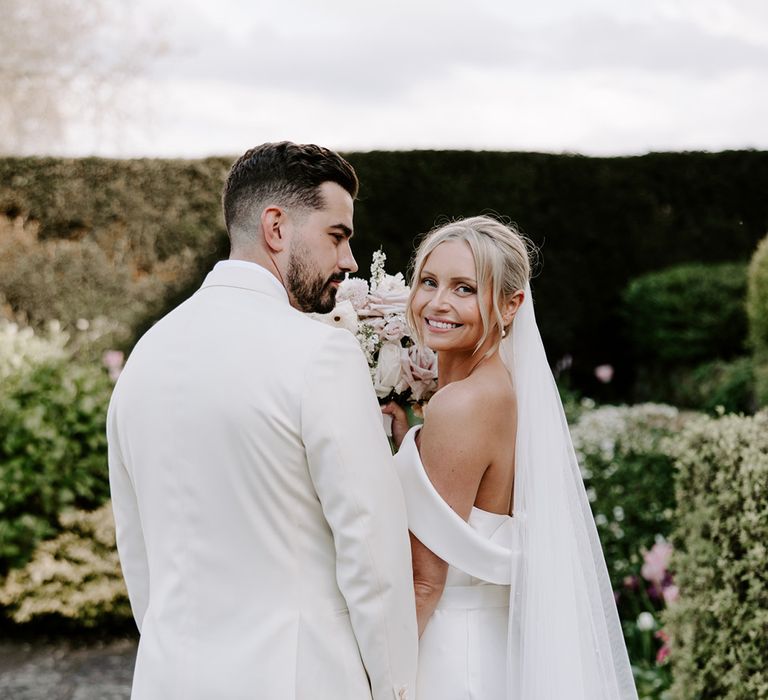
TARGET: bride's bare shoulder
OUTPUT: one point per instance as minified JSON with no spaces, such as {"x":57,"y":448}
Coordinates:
{"x":473,"y":404}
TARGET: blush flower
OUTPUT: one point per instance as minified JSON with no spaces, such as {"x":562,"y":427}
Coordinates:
{"x":419,"y":372}
{"x":671,"y":594}
{"x":604,"y":373}
{"x":656,"y":561}
{"x":388,"y":370}
{"x":354,"y":290}
{"x":113,"y":360}
{"x":395,"y":328}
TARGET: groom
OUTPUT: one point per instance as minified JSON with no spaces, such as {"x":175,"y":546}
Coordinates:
{"x":260,"y":524}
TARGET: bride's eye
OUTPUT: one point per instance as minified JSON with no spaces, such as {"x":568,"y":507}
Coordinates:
{"x":428,"y":282}
{"x":465,"y":289}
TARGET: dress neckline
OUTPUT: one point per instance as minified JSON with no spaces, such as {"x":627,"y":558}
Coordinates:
{"x":490,"y":512}
{"x":415,"y":429}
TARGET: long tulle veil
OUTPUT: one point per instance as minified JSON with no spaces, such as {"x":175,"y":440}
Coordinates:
{"x":565,"y":638}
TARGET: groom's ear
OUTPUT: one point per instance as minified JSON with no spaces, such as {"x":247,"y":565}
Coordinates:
{"x":272,"y":218}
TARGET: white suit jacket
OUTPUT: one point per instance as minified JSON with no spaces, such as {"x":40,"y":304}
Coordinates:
{"x":260,"y":523}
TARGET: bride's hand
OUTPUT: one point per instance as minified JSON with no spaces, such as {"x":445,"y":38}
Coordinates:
{"x":399,"y":421}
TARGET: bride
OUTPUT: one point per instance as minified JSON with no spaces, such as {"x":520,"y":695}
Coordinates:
{"x":512,"y":593}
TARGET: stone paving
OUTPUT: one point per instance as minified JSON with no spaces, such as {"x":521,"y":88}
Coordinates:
{"x":61,"y":670}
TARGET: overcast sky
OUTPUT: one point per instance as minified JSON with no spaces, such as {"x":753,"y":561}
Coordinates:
{"x":600,"y":77}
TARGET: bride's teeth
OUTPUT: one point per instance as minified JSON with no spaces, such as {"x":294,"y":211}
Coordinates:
{"x":441,"y":324}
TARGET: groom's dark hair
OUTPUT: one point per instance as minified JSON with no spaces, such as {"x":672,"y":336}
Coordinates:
{"x":284,"y":173}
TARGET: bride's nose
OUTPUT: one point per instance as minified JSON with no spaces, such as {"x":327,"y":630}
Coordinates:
{"x":440,"y":299}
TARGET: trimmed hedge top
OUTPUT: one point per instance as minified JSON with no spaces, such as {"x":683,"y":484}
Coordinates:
{"x":598,"y":221}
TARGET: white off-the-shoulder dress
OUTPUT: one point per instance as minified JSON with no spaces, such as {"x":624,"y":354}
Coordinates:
{"x":464,"y":652}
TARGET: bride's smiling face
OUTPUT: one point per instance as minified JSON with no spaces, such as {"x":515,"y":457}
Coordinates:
{"x":446,"y":302}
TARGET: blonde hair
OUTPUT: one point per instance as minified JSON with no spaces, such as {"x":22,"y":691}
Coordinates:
{"x":502,"y":261}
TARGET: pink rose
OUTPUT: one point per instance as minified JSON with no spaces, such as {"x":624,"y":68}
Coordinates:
{"x":419,"y":372}
{"x":395,"y":329}
{"x":656,"y":562}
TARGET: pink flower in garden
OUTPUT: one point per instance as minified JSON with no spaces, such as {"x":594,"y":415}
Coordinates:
{"x":670,"y":593}
{"x":656,"y":561}
{"x":419,"y":372}
{"x":113,"y":360}
{"x":663,"y":653}
{"x":604,"y":373}
{"x":630,"y":582}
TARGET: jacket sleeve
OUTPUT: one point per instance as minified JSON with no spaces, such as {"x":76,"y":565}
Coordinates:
{"x":130,"y":538}
{"x":353,"y":473}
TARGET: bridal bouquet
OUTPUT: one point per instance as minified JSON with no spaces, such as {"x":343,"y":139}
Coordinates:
{"x":374,"y":312}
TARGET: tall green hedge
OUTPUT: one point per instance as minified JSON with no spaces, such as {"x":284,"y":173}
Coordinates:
{"x":598,"y":221}
{"x":719,"y":626}
{"x":757,"y":310}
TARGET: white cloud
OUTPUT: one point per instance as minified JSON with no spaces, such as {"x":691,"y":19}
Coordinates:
{"x":593,"y":76}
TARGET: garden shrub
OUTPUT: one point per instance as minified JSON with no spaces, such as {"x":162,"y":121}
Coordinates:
{"x":52,"y":451}
{"x":76,"y":280}
{"x":687,"y":314}
{"x":629,"y":478}
{"x":719,"y":385}
{"x":757,"y":310}
{"x":21,"y":348}
{"x":623,"y":452}
{"x":75,"y":577}
{"x":719,"y":626}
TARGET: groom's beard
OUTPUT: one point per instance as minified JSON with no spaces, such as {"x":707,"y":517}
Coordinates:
{"x":311,"y":292}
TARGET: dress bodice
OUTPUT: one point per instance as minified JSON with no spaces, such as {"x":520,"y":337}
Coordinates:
{"x":463,"y":650}
{"x":483,"y":549}
{"x":495,"y":527}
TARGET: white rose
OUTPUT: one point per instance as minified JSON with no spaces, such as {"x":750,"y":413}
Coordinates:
{"x":355,"y":290}
{"x":343,"y":316}
{"x":392,"y":285}
{"x":388,"y":369}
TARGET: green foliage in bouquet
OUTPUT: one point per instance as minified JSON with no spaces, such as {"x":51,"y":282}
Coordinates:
{"x":629,"y":476}
{"x":74,"y":578}
{"x":719,"y":626}
{"x":52,"y":451}
{"x":687,"y":314}
{"x":757,"y":311}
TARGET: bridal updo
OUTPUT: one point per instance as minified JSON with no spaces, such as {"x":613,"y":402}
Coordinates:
{"x":502,"y":263}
